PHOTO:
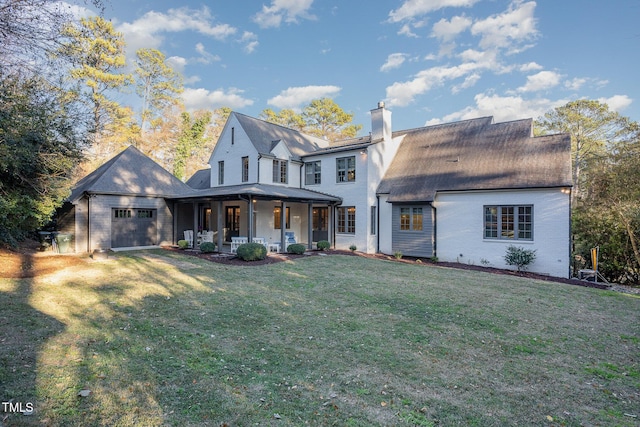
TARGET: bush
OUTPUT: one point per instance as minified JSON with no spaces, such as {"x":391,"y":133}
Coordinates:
{"x":353,"y":248}
{"x":323,"y":244}
{"x":520,"y":257}
{"x":207,"y":247}
{"x":183,"y":244}
{"x":296,"y":248}
{"x":397,"y":254}
{"x":251,"y":252}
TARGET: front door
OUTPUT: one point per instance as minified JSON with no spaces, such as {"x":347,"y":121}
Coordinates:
{"x":320,"y":224}
{"x":232,"y":222}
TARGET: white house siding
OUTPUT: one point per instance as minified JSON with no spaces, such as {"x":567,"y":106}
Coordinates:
{"x":101,"y":217}
{"x":460,"y":228}
{"x":385,"y":213}
{"x":232,"y":154}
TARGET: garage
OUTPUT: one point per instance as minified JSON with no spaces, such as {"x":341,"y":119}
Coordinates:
{"x":132,"y":227}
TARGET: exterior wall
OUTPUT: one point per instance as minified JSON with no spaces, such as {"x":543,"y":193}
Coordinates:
{"x":460,"y":229}
{"x":101,"y":210}
{"x":385,"y":212}
{"x":232,"y":155}
{"x":81,"y":225}
{"x":413,"y":243}
{"x":355,"y":193}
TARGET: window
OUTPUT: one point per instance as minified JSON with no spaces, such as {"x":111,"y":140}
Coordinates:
{"x":280,"y":171}
{"x":221,"y":172}
{"x":347,"y":220}
{"x":145,"y":213}
{"x":122,"y":213}
{"x":245,"y":169}
{"x":312,"y":173}
{"x":277,"y":218}
{"x":346,"y":169}
{"x":374,"y":219}
{"x":508,"y":222}
{"x":411,"y":219}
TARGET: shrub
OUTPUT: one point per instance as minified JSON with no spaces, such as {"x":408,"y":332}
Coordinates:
{"x":296,"y":248}
{"x":207,"y":247}
{"x":251,"y":251}
{"x":323,"y":244}
{"x":397,"y":254}
{"x":353,"y":248}
{"x":520,"y":257}
{"x":183,"y":244}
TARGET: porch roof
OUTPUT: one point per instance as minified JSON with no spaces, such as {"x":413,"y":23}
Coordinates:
{"x":262,"y":191}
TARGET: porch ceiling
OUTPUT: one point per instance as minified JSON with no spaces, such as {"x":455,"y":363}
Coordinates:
{"x":262,"y":191}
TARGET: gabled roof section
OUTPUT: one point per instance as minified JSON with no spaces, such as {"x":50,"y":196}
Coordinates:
{"x":200,"y":180}
{"x":262,"y":134}
{"x":475,"y":155}
{"x":130,"y":173}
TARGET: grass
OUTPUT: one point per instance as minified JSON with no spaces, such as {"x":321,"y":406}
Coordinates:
{"x":163,"y":339}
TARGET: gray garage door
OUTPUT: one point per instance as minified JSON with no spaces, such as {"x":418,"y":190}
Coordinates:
{"x":133,"y":227}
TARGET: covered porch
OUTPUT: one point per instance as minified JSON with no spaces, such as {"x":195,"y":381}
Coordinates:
{"x":273,"y":215}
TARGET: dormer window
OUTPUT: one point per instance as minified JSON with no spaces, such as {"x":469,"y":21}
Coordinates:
{"x":279,"y":171}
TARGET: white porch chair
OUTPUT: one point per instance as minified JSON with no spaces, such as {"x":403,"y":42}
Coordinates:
{"x":188,"y":236}
{"x":237,"y":241}
{"x":207,"y":237}
{"x":262,"y":241}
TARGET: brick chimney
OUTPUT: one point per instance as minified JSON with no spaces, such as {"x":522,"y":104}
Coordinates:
{"x":380,"y":123}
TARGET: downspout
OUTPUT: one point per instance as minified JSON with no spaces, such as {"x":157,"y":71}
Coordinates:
{"x":571,"y":242}
{"x":258,"y":178}
{"x":377,"y":224}
{"x":88,"y":222}
{"x":435,"y":230}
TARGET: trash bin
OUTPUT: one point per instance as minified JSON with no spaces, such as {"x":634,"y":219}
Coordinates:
{"x":64,"y":242}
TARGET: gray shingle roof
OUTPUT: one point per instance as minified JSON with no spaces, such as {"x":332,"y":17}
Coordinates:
{"x":130,"y":173}
{"x":262,"y":134}
{"x":475,"y":155}
{"x":200,"y":180}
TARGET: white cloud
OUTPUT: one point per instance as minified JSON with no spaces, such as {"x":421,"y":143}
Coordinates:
{"x":148,"y":30}
{"x":287,"y":10}
{"x":502,"y":108}
{"x":617,"y":102}
{"x":178,"y":63}
{"x":294,"y":97}
{"x":205,"y":57}
{"x":395,"y":60}
{"x":411,"y":9}
{"x":531,"y":66}
{"x":508,"y":30}
{"x":575,"y":83}
{"x":195,"y":99}
{"x":250,"y":41}
{"x":448,"y":30}
{"x":468,"y":82}
{"x":541,"y":81}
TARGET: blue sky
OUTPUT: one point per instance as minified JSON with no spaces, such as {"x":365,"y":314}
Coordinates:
{"x":431,"y":61}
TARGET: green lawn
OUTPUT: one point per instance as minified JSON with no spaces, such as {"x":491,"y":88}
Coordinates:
{"x":159,"y":338}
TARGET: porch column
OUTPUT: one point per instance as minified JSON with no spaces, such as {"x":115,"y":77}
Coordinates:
{"x":220,"y":227}
{"x":195,"y":224}
{"x":174,"y":236}
{"x":331,"y":225}
{"x":310,"y":225}
{"x":283,"y":225}
{"x":250,"y":220}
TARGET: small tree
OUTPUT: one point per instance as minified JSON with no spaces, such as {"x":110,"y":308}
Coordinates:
{"x":520,"y":257}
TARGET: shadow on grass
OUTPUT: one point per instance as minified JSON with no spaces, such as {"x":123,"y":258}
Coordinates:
{"x":23,"y":332}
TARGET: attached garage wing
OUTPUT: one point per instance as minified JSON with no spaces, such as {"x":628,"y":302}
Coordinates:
{"x":132,"y":227}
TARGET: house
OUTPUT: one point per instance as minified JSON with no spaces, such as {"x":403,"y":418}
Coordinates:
{"x":461,"y":192}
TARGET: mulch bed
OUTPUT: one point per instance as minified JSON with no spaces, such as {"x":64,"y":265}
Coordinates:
{"x":275,"y":258}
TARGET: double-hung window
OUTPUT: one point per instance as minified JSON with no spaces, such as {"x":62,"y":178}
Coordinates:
{"x":411,"y":218}
{"x":346,"y":169}
{"x":347,"y":220}
{"x":245,"y":169}
{"x":508,"y":222}
{"x":277,"y":218}
{"x":280,"y":171}
{"x":312,"y":173}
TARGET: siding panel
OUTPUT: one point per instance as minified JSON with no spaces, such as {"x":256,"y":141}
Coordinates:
{"x":413,"y":243}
